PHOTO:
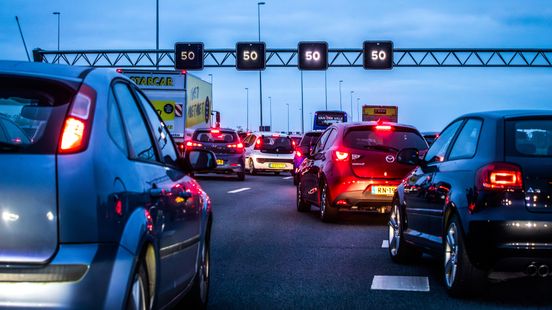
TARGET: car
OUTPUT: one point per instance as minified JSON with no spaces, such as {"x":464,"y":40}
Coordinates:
{"x":98,"y":210}
{"x":353,"y":167}
{"x":227,"y":147}
{"x":268,"y":152}
{"x":480,"y":199}
{"x":430,"y":136}
{"x":295,"y":139}
{"x":302,"y":149}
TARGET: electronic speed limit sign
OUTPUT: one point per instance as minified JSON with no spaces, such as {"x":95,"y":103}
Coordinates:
{"x":188,"y":56}
{"x":378,"y":54}
{"x":312,"y":55}
{"x":250,"y":56}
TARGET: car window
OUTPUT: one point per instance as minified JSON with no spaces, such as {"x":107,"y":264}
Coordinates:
{"x":309,"y":139}
{"x":160,"y":132}
{"x":137,"y":130}
{"x":215,"y":136}
{"x":466,"y":143}
{"x":321,"y":142}
{"x":529,"y":137}
{"x":438,"y":149}
{"x":331,"y":139}
{"x":371,"y":138}
{"x":115,"y":125}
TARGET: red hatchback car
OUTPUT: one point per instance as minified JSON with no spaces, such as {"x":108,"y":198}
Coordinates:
{"x":353,"y":167}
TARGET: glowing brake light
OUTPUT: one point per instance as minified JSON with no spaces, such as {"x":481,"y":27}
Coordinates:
{"x":341,"y":156}
{"x":193,"y":144}
{"x":298,"y":153}
{"x":215,"y":131}
{"x":383,"y":127}
{"x":76,"y":131}
{"x":275,"y":135}
{"x":497,"y":176}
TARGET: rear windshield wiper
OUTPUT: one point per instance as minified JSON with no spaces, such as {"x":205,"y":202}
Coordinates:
{"x":5,"y":146}
{"x":381,"y":147}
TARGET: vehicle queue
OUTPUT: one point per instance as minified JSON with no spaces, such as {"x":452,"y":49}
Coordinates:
{"x":479,"y":198}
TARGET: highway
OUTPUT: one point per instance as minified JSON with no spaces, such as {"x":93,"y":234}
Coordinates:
{"x":267,"y":255}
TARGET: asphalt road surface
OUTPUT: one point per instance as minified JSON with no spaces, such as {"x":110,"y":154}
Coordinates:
{"x":266,"y":255}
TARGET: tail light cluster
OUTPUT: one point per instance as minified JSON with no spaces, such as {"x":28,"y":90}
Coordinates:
{"x":298,"y":153}
{"x":499,"y":176}
{"x":341,"y":156}
{"x":191,"y":144}
{"x":259,"y":144}
{"x":76,"y":129}
{"x":237,"y":146}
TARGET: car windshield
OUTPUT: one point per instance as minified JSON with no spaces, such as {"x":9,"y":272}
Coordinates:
{"x":529,"y":137}
{"x":276,"y":143}
{"x":30,"y":116}
{"x":310,"y":139}
{"x":395,"y":139}
{"x":215,"y":136}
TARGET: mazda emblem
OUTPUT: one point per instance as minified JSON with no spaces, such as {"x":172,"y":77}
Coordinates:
{"x":389,"y":158}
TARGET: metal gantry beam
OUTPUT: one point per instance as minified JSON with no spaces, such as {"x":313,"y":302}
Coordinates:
{"x":403,"y":57}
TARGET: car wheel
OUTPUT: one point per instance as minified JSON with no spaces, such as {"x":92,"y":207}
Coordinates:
{"x":199,"y":293}
{"x":241,"y":176}
{"x":328,"y":213}
{"x":139,"y":296}
{"x":252,"y":169}
{"x":461,"y":277}
{"x":399,"y":250}
{"x":295,"y":180}
{"x":302,"y":206}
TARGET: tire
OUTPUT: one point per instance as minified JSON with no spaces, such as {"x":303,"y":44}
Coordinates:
{"x":302,"y":206}
{"x":295,"y":180}
{"x":461,"y":277}
{"x":241,"y":176}
{"x":139,"y":296}
{"x":399,"y":250}
{"x":198,"y":297}
{"x":277,"y":173}
{"x":252,"y":169}
{"x":328,"y":213}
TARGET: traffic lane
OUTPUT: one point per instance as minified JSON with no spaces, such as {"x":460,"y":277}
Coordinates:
{"x":265,"y":254}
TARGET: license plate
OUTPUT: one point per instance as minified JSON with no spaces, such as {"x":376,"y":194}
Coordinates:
{"x":220,"y":162}
{"x":277,"y":165}
{"x":383,"y":190}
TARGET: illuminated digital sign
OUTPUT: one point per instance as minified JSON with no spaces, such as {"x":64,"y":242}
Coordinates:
{"x":378,"y":54}
{"x":250,"y":56}
{"x":188,"y":56}
{"x":312,"y":55}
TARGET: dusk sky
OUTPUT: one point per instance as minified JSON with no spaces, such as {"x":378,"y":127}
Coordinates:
{"x":428,"y":98}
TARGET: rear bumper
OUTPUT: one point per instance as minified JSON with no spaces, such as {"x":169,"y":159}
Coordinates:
{"x":275,"y":164}
{"x":510,"y":245}
{"x":232,"y":163}
{"x":355,"y":195}
{"x":87,"y":276}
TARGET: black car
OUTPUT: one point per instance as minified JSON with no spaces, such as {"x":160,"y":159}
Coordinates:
{"x":302,"y":150}
{"x":481,"y":198}
{"x":227,"y":146}
{"x":430,"y":136}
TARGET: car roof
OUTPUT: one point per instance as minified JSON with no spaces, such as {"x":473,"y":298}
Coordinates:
{"x":264,"y":133}
{"x":508,"y":114}
{"x":221,"y":129}
{"x":43,"y":69}
{"x":373,"y":123}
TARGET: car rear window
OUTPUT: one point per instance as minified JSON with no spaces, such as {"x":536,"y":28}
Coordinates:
{"x":394,"y":139}
{"x":32,"y":113}
{"x":215,"y":137}
{"x":529,"y":137}
{"x":310,"y":139}
{"x":283,"y":144}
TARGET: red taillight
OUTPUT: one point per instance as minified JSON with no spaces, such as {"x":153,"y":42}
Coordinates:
{"x":384,"y":127}
{"x":499,"y":176}
{"x":275,"y":135}
{"x":238,"y":146}
{"x":258,"y":144}
{"x":74,"y":137}
{"x":215,"y":131}
{"x":298,"y":153}
{"x":190,"y":144}
{"x":119,"y":70}
{"x":341,"y":156}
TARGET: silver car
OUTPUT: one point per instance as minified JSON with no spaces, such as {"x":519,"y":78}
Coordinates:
{"x":268,"y":152}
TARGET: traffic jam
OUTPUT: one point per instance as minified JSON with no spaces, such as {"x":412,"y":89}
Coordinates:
{"x":129,"y":188}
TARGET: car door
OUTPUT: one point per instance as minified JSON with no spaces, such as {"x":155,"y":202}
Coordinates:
{"x":156,"y":183}
{"x":179,"y":209}
{"x":452,"y":175}
{"x":420,"y":193}
{"x":311,"y":168}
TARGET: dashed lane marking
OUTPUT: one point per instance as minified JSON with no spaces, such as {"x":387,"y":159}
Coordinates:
{"x":400,"y":283}
{"x":385,"y":244}
{"x":287,"y":178}
{"x":239,"y":190}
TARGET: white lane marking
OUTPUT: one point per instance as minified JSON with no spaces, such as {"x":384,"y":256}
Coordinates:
{"x":287,"y":178}
{"x":239,"y":190}
{"x":385,"y":244}
{"x":401,"y":283}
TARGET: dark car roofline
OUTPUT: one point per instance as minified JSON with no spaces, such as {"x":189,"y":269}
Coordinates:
{"x":373,"y":123}
{"x":211,"y":128}
{"x":498,"y":114}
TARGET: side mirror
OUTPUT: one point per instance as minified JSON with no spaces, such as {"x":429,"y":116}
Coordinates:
{"x":409,"y":156}
{"x":200,"y":160}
